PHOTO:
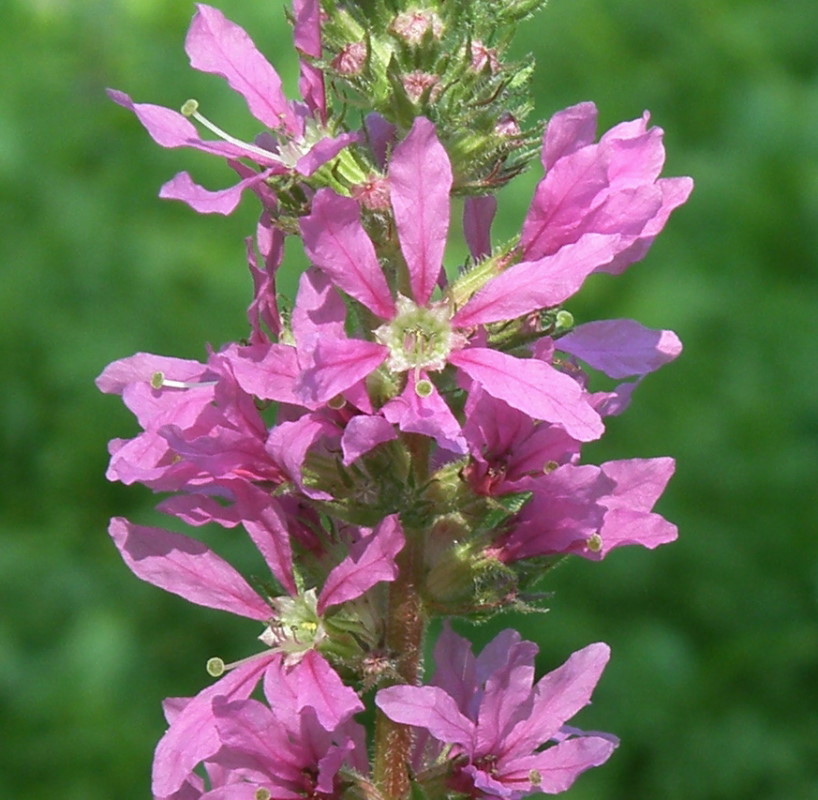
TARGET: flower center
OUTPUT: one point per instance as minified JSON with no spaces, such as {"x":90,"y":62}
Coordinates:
{"x":418,"y":338}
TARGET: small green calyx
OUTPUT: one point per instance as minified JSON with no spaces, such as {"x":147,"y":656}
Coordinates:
{"x":419,"y":337}
{"x":297,"y":626}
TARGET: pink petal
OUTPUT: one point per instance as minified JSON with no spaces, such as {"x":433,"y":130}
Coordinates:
{"x":324,"y":150}
{"x":265,"y":522}
{"x":363,"y":433}
{"x":381,"y":136}
{"x":558,"y":766}
{"x":532,"y":285}
{"x":336,"y":242}
{"x":568,"y":131}
{"x":624,"y":526}
{"x":289,"y":442}
{"x":307,"y":39}
{"x":478,"y":213}
{"x":621,"y":348}
{"x":319,"y":687}
{"x":216,"y":45}
{"x":267,"y":371}
{"x":170,"y":129}
{"x":339,"y":364}
{"x":533,"y":387}
{"x":559,"y":695}
{"x":187,"y":568}
{"x":639,"y":481}
{"x":430,"y":416}
{"x":371,"y":561}
{"x":420,"y":179}
{"x":192,"y":737}
{"x":427,"y":707}
{"x":222,"y":201}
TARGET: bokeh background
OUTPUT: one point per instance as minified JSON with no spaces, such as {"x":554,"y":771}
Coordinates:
{"x":712,"y":686}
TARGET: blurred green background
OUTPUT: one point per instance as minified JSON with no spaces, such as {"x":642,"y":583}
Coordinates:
{"x":712,"y":685}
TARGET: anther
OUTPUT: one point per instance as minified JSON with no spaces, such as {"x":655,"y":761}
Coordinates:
{"x":159,"y":381}
{"x":594,"y":543}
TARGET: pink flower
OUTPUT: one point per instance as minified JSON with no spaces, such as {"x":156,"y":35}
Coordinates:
{"x":420,"y":335}
{"x":612,"y":186}
{"x":497,"y":720}
{"x":298,"y":140}
{"x":294,"y":625}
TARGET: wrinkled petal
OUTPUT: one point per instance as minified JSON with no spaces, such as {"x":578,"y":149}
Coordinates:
{"x":420,"y":179}
{"x":427,"y":707}
{"x":339,"y":364}
{"x":533,"y":387}
{"x":319,"y":687}
{"x":192,"y":737}
{"x":362,"y":434}
{"x":371,"y":561}
{"x":205,"y":201}
{"x":187,"y":568}
{"x":323,"y":151}
{"x":532,"y":285}
{"x":336,"y":242}
{"x":428,"y":415}
{"x":568,"y":131}
{"x":558,"y":696}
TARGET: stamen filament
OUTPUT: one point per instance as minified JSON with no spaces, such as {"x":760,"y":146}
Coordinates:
{"x":189,"y":109}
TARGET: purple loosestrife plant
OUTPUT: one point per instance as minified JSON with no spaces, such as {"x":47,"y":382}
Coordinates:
{"x":406,"y":442}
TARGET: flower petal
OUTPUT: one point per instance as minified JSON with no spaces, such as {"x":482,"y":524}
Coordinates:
{"x":427,"y":707}
{"x":362,"y":433}
{"x":621,"y":348}
{"x":420,"y":179}
{"x":371,"y":561}
{"x":187,"y":568}
{"x":336,"y":242}
{"x":478,"y":213}
{"x":216,"y":45}
{"x":222,"y":201}
{"x":533,"y":387}
{"x":532,"y":285}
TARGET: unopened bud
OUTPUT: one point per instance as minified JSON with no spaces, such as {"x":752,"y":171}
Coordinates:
{"x":412,"y":26}
{"x":351,"y":59}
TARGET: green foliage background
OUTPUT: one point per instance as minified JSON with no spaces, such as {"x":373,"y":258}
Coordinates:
{"x":712,"y":686}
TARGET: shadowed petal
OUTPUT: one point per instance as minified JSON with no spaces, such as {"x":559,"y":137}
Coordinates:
{"x":621,"y":348}
{"x":371,"y":561}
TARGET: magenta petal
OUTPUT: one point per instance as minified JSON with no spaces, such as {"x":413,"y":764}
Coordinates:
{"x":216,"y":45}
{"x":558,"y":696}
{"x":169,"y":128}
{"x":192,"y":737}
{"x":532,"y":285}
{"x":267,"y":371}
{"x":336,"y":242}
{"x":362,"y":433}
{"x":430,"y":416}
{"x":420,"y":179}
{"x":639,"y":481}
{"x":427,"y":707}
{"x":289,"y":442}
{"x":621,"y":348}
{"x":319,"y":687}
{"x":307,"y":39}
{"x":339,"y":364}
{"x":187,"y":568}
{"x":567,"y":131}
{"x":266,"y":524}
{"x":371,"y":561}
{"x":478,"y":214}
{"x":533,"y":387}
{"x":559,"y":766}
{"x":222,"y":201}
{"x":623,"y":526}
{"x":323,"y":151}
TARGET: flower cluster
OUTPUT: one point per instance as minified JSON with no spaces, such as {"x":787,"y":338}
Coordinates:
{"x":405,"y":441}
